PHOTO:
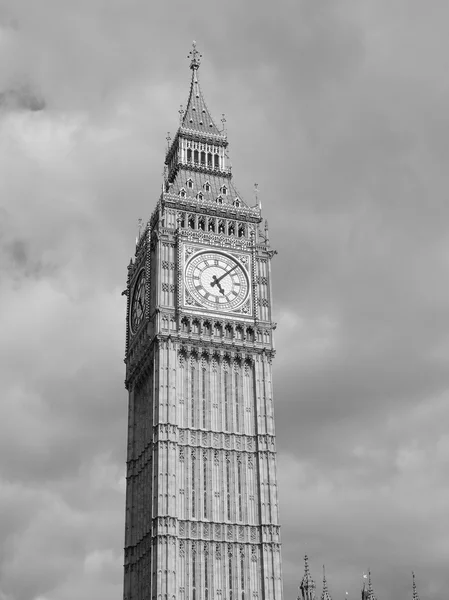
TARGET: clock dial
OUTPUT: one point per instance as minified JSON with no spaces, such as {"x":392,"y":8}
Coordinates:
{"x":138,"y":303}
{"x":216,"y":280}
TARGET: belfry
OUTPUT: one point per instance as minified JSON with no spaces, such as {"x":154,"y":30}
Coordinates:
{"x":201,"y":498}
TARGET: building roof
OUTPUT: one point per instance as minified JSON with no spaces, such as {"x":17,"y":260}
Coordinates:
{"x":219,"y":186}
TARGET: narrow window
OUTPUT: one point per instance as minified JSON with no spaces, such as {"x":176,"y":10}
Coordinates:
{"x":189,"y":155}
{"x":242,"y":575}
{"x":207,"y":186}
{"x":225,"y":375}
{"x":211,"y":224}
{"x":209,"y":159}
{"x":193,"y":485}
{"x":203,"y":158}
{"x":220,"y":201}
{"x":228,"y":488}
{"x":182,"y":193}
{"x":192,"y":394}
{"x":216,"y":161}
{"x":205,"y":487}
{"x":189,"y":183}
{"x":237,"y":410}
{"x":199,"y":196}
{"x":224,"y":190}
{"x":239,"y":484}
{"x":204,"y":397}
{"x":230,"y":578}
{"x":194,"y":573}
{"x":195,"y":156}
{"x":206,"y":576}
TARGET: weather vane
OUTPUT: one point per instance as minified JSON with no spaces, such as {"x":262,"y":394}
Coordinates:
{"x":181,"y":113}
{"x":168,"y":138}
{"x":195,"y":57}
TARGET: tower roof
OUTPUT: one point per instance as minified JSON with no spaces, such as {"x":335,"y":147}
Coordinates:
{"x":196,"y":162}
{"x":197,"y":116}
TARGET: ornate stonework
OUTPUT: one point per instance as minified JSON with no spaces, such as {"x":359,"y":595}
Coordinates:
{"x":201,"y":500}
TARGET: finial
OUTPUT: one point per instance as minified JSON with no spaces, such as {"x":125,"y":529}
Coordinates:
{"x":168,"y":138}
{"x":139,"y":225}
{"x":415,"y":592}
{"x":371,"y":595}
{"x":223,"y":120}
{"x":256,"y":194}
{"x":181,"y":113}
{"x":195,"y":57}
{"x":325,"y":595}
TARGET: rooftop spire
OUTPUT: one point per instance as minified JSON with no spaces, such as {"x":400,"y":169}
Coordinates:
{"x":371,"y":595}
{"x":325,"y":595}
{"x":196,"y":116}
{"x":415,"y":593}
{"x":307,"y":586}
{"x":195,"y":57}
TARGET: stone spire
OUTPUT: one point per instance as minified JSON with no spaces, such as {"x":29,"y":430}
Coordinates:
{"x":196,"y":116}
{"x":415,"y":593}
{"x":307,"y":586}
{"x":325,"y":595}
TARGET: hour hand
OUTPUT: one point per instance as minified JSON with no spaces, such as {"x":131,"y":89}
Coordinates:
{"x":216,"y":281}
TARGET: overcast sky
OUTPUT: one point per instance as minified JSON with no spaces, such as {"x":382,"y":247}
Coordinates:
{"x":338,"y":109}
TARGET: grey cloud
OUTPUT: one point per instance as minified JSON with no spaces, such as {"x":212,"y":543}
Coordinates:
{"x":338,"y":110}
{"x":21,"y":98}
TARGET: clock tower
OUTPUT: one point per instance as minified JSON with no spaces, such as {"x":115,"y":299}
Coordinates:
{"x":201,"y":496}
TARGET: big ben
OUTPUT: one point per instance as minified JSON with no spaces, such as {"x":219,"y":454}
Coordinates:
{"x":201,"y":498}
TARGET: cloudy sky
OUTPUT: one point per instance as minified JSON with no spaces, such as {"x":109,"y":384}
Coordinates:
{"x":338,"y":110}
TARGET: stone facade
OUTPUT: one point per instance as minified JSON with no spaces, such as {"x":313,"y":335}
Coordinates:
{"x":202,"y":500}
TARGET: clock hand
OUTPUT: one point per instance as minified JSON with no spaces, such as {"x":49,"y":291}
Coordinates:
{"x":217,"y":281}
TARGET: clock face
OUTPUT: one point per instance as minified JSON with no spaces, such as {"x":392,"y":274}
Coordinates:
{"x":216,"y":280}
{"x":137,"y":303}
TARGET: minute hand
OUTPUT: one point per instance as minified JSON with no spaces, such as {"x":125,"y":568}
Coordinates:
{"x":216,"y":281}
